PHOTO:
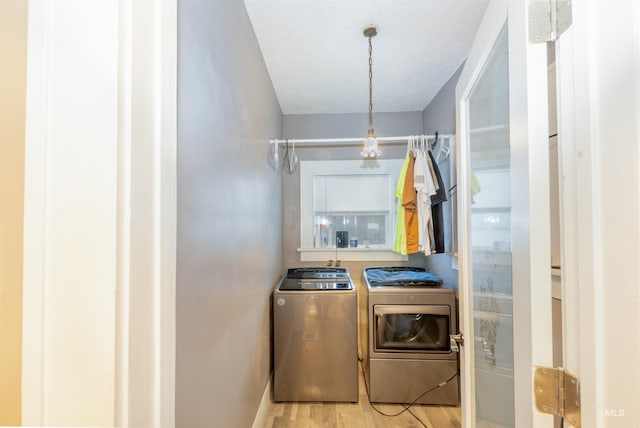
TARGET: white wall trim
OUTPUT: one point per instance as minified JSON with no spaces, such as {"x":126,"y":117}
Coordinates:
{"x":35,"y":226}
{"x":123,"y":301}
{"x":531,"y":236}
{"x":99,"y":322}
{"x":167,"y":39}
{"x":69,"y":263}
{"x":265,"y":407}
{"x":149,"y":80}
{"x":599,"y":138}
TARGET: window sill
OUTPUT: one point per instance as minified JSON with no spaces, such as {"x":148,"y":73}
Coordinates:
{"x":350,"y":254}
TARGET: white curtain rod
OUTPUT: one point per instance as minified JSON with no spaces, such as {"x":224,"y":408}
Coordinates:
{"x":360,"y":140}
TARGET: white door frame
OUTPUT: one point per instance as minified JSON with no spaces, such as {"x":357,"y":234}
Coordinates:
{"x":530,"y":194}
{"x":100,"y":214}
{"x":598,"y":74}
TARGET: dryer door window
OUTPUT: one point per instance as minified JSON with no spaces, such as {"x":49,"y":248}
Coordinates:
{"x":413,"y":328}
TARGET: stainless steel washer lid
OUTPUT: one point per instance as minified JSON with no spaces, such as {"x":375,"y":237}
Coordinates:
{"x":317,"y":273}
{"x":316,"y":278}
{"x":315,"y":285}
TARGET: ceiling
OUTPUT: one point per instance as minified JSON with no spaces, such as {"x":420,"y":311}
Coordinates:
{"x":317,"y":56}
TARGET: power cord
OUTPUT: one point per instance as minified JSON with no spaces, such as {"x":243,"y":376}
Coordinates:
{"x":408,"y":407}
{"x":417,"y":418}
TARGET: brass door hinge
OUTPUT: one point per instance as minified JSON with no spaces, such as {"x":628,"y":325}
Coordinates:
{"x":557,"y":392}
{"x":548,"y":19}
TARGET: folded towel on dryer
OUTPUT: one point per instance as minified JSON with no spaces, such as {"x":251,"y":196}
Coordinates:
{"x":403,"y":278}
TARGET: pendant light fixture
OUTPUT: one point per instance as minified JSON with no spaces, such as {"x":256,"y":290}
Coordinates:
{"x":371,"y":149}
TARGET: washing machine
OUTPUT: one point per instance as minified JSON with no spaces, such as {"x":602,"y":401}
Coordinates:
{"x":315,"y":353}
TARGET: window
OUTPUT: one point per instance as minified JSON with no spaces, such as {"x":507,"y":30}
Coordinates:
{"x":351,"y":204}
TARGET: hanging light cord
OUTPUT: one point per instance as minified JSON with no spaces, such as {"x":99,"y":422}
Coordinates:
{"x":370,"y":85}
{"x":371,"y":149}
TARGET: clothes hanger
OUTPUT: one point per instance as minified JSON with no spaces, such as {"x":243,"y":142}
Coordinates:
{"x":445,"y":149}
{"x":433,"y":145}
{"x":290,"y":159}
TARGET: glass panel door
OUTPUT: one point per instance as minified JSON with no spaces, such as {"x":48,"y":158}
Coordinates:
{"x":490,"y":240}
{"x":503,"y":195}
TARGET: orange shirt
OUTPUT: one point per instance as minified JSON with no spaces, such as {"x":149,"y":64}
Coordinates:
{"x":410,"y":204}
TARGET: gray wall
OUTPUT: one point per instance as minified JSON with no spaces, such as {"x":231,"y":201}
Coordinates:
{"x":229,"y":216}
{"x":440,"y":115}
{"x":351,"y":125}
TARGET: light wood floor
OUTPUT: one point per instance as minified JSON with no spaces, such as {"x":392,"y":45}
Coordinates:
{"x":359,"y":415}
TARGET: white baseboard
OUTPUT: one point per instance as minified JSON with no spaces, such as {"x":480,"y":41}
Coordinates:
{"x":265,"y":405}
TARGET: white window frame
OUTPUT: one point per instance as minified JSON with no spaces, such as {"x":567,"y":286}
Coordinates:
{"x":310,"y":169}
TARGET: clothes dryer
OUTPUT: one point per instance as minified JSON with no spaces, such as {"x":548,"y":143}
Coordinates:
{"x":410,"y":318}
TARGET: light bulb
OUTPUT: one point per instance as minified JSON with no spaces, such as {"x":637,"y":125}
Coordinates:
{"x":371,"y":149}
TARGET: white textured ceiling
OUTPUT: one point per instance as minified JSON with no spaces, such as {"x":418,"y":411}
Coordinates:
{"x":317,"y":56}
